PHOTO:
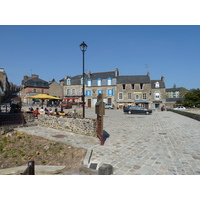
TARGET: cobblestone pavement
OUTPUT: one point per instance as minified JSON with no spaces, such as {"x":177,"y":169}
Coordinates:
{"x":161,"y":143}
{"x":164,"y":143}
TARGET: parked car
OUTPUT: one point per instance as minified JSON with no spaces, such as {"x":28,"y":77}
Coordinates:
{"x":109,"y":106}
{"x":137,"y":110}
{"x":180,"y":108}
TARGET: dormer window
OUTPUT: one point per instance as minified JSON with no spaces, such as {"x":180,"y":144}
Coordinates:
{"x":98,"y":82}
{"x":68,"y":81}
{"x":157,"y":85}
{"x":109,"y":81}
{"x":89,"y":82}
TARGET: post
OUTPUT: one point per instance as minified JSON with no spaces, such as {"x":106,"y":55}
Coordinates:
{"x":31,"y":167}
{"x":100,"y":111}
{"x":83,"y":86}
{"x":83,"y":47}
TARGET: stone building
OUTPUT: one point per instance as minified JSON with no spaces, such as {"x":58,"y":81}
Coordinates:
{"x":175,"y":96}
{"x":133,"y":90}
{"x":32,"y":86}
{"x":95,"y":83}
{"x":55,"y":89}
{"x":158,"y":93}
{"x":4,"y":85}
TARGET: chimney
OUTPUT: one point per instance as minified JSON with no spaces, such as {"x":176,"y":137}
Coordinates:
{"x":148,"y":74}
{"x":25,"y":78}
{"x":34,"y":76}
{"x":116,"y":72}
{"x":89,"y":74}
{"x":162,"y":78}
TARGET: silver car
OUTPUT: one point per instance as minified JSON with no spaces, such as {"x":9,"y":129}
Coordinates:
{"x":109,"y":106}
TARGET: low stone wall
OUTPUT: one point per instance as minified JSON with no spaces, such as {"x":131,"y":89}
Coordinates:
{"x":187,"y":114}
{"x":76,"y":125}
{"x":29,"y":117}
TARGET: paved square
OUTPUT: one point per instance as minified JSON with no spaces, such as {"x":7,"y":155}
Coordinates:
{"x":161,"y":143}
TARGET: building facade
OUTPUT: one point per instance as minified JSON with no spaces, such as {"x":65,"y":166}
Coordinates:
{"x":117,"y":90}
{"x":4,"y":85}
{"x":133,"y":90}
{"x":95,"y":83}
{"x":32,"y":86}
{"x":158,"y":93}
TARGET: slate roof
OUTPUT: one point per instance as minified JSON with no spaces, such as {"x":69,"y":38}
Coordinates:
{"x":175,"y":99}
{"x":102,"y":75}
{"x":161,"y":84}
{"x":76,"y":80}
{"x":173,"y":89}
{"x":133,"y":79}
{"x":35,"y":82}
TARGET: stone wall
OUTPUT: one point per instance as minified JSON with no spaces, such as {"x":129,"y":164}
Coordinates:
{"x":187,"y":114}
{"x":76,"y":125}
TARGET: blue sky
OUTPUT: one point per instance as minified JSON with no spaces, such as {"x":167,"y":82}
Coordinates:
{"x":53,"y":51}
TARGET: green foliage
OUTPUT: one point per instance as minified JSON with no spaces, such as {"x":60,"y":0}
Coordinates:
{"x":192,"y":98}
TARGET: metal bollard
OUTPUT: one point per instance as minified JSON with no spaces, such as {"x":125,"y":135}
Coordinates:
{"x":31,"y":167}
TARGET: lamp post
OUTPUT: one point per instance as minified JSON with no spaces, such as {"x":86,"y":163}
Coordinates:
{"x":83,"y":48}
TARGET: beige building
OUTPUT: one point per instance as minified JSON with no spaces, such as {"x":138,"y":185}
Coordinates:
{"x":55,"y":89}
{"x":95,"y":84}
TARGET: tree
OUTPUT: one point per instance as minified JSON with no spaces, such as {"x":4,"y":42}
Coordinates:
{"x":192,"y":98}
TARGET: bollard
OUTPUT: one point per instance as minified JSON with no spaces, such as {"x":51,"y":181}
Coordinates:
{"x":31,"y":167}
{"x":105,"y":169}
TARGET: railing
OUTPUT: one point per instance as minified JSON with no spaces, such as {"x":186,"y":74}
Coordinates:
{"x":7,"y":119}
{"x":30,"y":170}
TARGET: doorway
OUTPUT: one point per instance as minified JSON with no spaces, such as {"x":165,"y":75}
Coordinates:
{"x":89,"y":103}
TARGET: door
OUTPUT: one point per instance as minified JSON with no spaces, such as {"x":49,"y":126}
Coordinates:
{"x":109,"y":100}
{"x":89,"y":103}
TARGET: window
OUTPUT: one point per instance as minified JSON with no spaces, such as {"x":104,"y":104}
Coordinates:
{"x":123,"y":86}
{"x":109,"y":81}
{"x":110,"y":92}
{"x":88,"y":93}
{"x":157,"y":85}
{"x":129,"y":96}
{"x":132,"y":86}
{"x":34,"y":90}
{"x":144,"y":96}
{"x":157,"y":96}
{"x":42,"y":91}
{"x":73,"y":91}
{"x":98,"y":82}
{"x":82,"y":81}
{"x":68,"y":81}
{"x":89,"y":82}
{"x":100,"y":91}
{"x":137,"y":97}
{"x":141,"y":86}
{"x":120,"y":95}
{"x":68,"y":91}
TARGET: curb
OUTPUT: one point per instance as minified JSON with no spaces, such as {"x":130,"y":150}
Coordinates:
{"x":87,"y":157}
{"x":39,"y":170}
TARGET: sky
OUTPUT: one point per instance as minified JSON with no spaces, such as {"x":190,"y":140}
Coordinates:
{"x":52,"y":51}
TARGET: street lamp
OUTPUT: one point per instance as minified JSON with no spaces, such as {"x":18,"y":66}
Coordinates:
{"x":83,"y":48}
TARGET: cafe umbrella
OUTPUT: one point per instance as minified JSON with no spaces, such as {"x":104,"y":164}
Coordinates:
{"x":43,"y":97}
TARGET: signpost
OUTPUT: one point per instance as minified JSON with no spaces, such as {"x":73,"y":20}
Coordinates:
{"x":100,"y":111}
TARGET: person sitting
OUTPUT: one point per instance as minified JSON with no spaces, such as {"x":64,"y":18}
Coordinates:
{"x":42,"y":111}
{"x":46,"y":111}
{"x":50,"y":111}
{"x":36,"y":113}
